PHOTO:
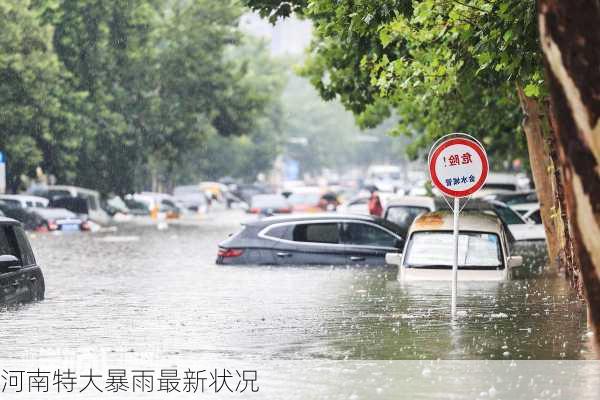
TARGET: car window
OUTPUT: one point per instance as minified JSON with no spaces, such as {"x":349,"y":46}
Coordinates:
{"x":27,"y":256}
{"x":355,"y":233}
{"x":475,"y":249}
{"x":8,"y":242}
{"x":404,"y":215}
{"x":317,"y":233}
{"x":508,"y":215}
{"x":11,"y":202}
{"x":536,"y":217}
{"x":279,"y":232}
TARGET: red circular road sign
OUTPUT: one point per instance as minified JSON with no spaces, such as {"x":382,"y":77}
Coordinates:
{"x":458,"y":166}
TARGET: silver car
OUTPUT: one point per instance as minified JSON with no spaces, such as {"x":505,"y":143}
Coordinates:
{"x":483,"y":251}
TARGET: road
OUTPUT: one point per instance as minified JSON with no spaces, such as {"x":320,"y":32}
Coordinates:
{"x":155,"y":292}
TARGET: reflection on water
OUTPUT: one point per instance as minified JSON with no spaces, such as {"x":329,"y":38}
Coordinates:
{"x":158,"y":292}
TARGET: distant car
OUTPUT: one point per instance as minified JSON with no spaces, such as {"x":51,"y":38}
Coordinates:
{"x":484,"y":251}
{"x":525,"y":208}
{"x":356,"y":205}
{"x":514,"y":198}
{"x":59,"y":219}
{"x":533,"y":214}
{"x":136,"y":208}
{"x":245,"y":191}
{"x":29,"y":219}
{"x":306,"y":200}
{"x":92,"y":198}
{"x":269,"y":204}
{"x":21,"y":279}
{"x":161,"y":204}
{"x":502,"y":182}
{"x":326,"y":239}
{"x":360,"y":203}
{"x":24,"y":201}
{"x":387,"y":178}
{"x":117,"y":209}
{"x":403,"y":210}
{"x":191,"y":197}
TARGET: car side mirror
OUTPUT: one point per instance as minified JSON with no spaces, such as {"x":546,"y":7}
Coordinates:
{"x":515,"y":261}
{"x":393,"y":258}
{"x":8,"y":260}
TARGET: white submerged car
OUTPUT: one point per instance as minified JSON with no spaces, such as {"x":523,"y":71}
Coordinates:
{"x":403,"y":210}
{"x":483,"y":249}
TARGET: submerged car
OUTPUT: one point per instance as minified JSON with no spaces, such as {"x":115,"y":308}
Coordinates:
{"x":21,"y":279}
{"x":24,"y":201}
{"x":59,"y":219}
{"x":269,"y":204}
{"x":484,"y":251}
{"x":191,"y":197}
{"x":403,"y":210}
{"x":326,"y":239}
{"x":91,"y":198}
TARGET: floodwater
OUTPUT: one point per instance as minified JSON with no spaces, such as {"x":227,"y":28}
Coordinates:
{"x":141,"y":290}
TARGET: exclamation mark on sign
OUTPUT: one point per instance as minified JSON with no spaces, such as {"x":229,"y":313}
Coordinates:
{"x":445,"y":162}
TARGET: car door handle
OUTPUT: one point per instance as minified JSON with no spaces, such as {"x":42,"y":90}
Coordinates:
{"x":357,"y":258}
{"x":283,"y":254}
{"x":32,"y":279}
{"x":15,"y":284}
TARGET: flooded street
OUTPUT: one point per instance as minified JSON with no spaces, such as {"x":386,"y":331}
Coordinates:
{"x":141,"y":290}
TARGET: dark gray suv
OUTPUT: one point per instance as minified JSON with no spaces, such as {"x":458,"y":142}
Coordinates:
{"x":322,"y":239}
{"x":21,"y":278}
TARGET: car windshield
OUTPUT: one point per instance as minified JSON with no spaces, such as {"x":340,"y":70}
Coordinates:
{"x":508,"y":215}
{"x":435,"y":249}
{"x":404,"y":215}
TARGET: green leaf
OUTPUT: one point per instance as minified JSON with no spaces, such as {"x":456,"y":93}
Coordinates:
{"x":532,"y":90}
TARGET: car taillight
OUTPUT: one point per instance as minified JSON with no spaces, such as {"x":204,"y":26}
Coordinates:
{"x":230,"y":252}
{"x":285,"y":210}
{"x":85,"y":226}
{"x":52,"y":226}
{"x":255,"y":210}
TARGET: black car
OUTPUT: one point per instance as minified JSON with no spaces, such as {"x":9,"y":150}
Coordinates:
{"x":324,"y":239}
{"x":21,"y":278}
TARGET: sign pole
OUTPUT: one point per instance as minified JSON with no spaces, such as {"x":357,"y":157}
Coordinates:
{"x":458,"y":167}
{"x":455,"y":259}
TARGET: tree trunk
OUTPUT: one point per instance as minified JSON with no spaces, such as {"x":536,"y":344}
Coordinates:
{"x":570,"y":38}
{"x":540,"y":162}
{"x":567,"y":258}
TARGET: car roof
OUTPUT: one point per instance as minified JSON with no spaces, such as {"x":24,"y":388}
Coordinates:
{"x":468,"y":221}
{"x":438,"y":203}
{"x":72,"y":188}
{"x":24,"y":197}
{"x":312,"y":217}
{"x":501,"y":177}
{"x":416,"y":201}
{"x":54,"y":212}
{"x":8,"y":221}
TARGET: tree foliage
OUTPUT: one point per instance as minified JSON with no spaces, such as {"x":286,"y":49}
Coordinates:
{"x":38,"y":107}
{"x":443,"y":65}
{"x":107,"y":94}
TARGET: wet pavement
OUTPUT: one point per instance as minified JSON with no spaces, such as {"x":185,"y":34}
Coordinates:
{"x":141,"y":290}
